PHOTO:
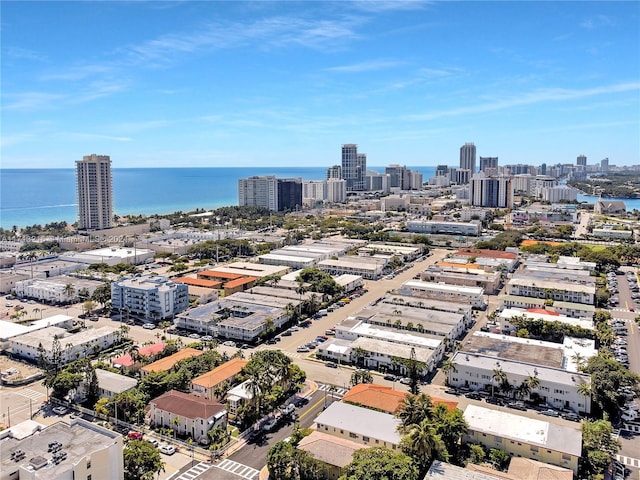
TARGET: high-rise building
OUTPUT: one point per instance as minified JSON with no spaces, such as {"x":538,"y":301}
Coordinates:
{"x":336,"y":190}
{"x":334,"y":172}
{"x":604,"y":165}
{"x":442,"y":170}
{"x":488,"y":163}
{"x":354,"y":167}
{"x":468,"y":157}
{"x":258,"y":191}
{"x":581,"y":160}
{"x":276,"y":194}
{"x":95,"y":192}
{"x":491,"y":192}
{"x":289,"y":194}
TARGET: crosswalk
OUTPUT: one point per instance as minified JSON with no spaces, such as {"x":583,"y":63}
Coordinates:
{"x":237,"y":469}
{"x":194,"y":471}
{"x":338,"y":392}
{"x":628,"y":461}
{"x":31,"y":394}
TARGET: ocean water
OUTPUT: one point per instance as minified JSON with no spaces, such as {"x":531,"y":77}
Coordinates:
{"x":40,"y":196}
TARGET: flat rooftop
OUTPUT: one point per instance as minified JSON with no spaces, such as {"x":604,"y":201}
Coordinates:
{"x":251,"y":269}
{"x":531,"y":351}
{"x":527,"y":430}
{"x":443,"y":287}
{"x":45,"y":336}
{"x":400,"y":350}
{"x":79,"y":439}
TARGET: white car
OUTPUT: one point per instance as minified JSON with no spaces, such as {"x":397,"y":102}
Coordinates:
{"x":168,"y":449}
{"x":149,"y":326}
{"x":270,"y":425}
{"x":229,"y":343}
{"x":60,"y":410}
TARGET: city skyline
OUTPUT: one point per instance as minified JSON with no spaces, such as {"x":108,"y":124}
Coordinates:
{"x":214,"y":84}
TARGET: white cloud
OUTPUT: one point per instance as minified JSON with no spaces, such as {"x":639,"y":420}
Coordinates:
{"x":534,"y":97}
{"x":31,"y":100}
{"x":597,"y":21}
{"x":368,"y":66}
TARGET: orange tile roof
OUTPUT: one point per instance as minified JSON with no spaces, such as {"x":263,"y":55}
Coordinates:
{"x":379,"y":397}
{"x":240,"y":281}
{"x":198,"y":282}
{"x":165,"y":364}
{"x":220,"y":373}
{"x":542,"y":311}
{"x":214,"y":274}
{"x":147,"y":350}
{"x":477,"y":252}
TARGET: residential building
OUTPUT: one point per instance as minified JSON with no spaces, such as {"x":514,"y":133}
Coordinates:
{"x":468,"y":158}
{"x":519,"y":469}
{"x":491,"y":192}
{"x":470,"y":275}
{"x":56,"y":290}
{"x":95,"y":192}
{"x":82,"y":450}
{"x":381,"y":398}
{"x":35,"y":344}
{"x":376,"y":182}
{"x":563,"y":291}
{"x":289,"y":192}
{"x":604,"y":165}
{"x":187,"y":415}
{"x":581,"y":160}
{"x":332,"y":452}
{"x":111,"y":256}
{"x":354,"y":167}
{"x":451,"y":228}
{"x":238,"y":396}
{"x":488,"y":259}
{"x":360,"y":425}
{"x":570,"y":309}
{"x":336,"y":190}
{"x":149,"y":297}
{"x":526,"y":437}
{"x":453,"y":293}
{"x":258,"y":191}
{"x":167,"y":363}
{"x":558,"y":388}
{"x":205,"y":385}
{"x":109,"y":385}
{"x":369,"y":268}
{"x":489,"y":165}
{"x":10,"y":329}
{"x":149,"y":351}
{"x":609,"y":206}
{"x":314,"y":191}
{"x":334,"y":172}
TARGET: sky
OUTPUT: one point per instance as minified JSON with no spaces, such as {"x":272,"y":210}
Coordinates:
{"x":285,"y":83}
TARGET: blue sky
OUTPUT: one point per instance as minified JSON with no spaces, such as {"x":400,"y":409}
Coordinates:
{"x":269,"y":83}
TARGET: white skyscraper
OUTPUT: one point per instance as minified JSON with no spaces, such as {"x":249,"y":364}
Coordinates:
{"x":260,"y":191}
{"x":468,"y":158}
{"x":95,"y":192}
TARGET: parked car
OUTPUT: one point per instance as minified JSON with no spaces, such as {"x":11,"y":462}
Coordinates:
{"x":195,"y":336}
{"x":331,"y":364}
{"x":391,"y":378}
{"x":153,"y":442}
{"x":271,"y":341}
{"x":60,"y":410}
{"x":270,"y":425}
{"x":473,"y":396}
{"x":149,"y":326}
{"x":229,"y":343}
{"x":286,"y":333}
{"x":550,"y":412}
{"x":207,"y":338}
{"x":302,"y":349}
{"x":133,"y":435}
{"x":288,"y":409}
{"x":405,"y":380}
{"x":168,"y":449}
{"x":517,"y":406}
{"x":494,"y":400}
{"x":574,"y":417}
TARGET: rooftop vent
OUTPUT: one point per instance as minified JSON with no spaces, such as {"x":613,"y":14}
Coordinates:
{"x":38,"y":462}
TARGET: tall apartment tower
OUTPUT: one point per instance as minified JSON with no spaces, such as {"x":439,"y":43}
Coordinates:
{"x":604,"y":165}
{"x":354,"y":167}
{"x":489,"y":164}
{"x":491,"y":192}
{"x":334,"y":171}
{"x":258,"y":191}
{"x":468,"y":157}
{"x":581,"y":160}
{"x":95,"y":192}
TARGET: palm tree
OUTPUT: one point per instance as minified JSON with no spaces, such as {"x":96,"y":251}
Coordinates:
{"x":359,"y":353}
{"x":414,"y":409}
{"x":579,"y":360}
{"x":498,"y":377}
{"x":585,"y":390}
{"x":533,"y":382}
{"x":522,"y":390}
{"x":37,"y":310}
{"x":68,"y":291}
{"x":423,"y":444}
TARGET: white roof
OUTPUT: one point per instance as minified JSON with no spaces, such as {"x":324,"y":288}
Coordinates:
{"x":361,"y":421}
{"x":509,"y":313}
{"x":10,"y":329}
{"x":532,"y":431}
{"x":443,"y":287}
{"x":363,"y":329}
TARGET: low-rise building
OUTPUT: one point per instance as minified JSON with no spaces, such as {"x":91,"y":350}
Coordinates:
{"x":557,"y":388}
{"x":494,"y":259}
{"x":111,"y":256}
{"x":187,"y":415}
{"x":541,"y":315}
{"x":149,"y":351}
{"x":452,"y":228}
{"x":360,"y":425}
{"x":556,"y":290}
{"x":248,"y":269}
{"x":569,"y":309}
{"x":61,"y":451}
{"x":57,"y":290}
{"x":369,"y":268}
{"x":109,"y":385}
{"x":41,"y":342}
{"x":167,"y":363}
{"x":452,"y":293}
{"x":206,"y":384}
{"x":382,"y":398}
{"x":149,"y":297}
{"x":464,"y":276}
{"x":526,"y":437}
{"x":333,"y":452}
{"x":519,"y":469}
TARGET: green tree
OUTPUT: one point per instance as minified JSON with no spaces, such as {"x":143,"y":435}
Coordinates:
{"x":598,"y":445}
{"x":380,"y":463}
{"x":102,"y":294}
{"x":499,"y":458}
{"x":285,"y":462}
{"x":608,"y":378}
{"x":413,"y":410}
{"x":423,"y":444}
{"x":142,"y":461}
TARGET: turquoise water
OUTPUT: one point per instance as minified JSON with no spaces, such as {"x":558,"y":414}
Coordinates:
{"x":40,"y":196}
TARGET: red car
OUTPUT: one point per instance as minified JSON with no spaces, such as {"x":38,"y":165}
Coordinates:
{"x":133,"y":435}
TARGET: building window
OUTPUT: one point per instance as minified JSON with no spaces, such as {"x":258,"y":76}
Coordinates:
{"x":365,"y":439}
{"x":88,"y":464}
{"x":353,"y":435}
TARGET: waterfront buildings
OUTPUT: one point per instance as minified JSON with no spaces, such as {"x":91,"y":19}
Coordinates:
{"x":276,"y":194}
{"x":149,"y":297}
{"x":491,"y":192}
{"x":95,"y":192}
{"x":468,"y":158}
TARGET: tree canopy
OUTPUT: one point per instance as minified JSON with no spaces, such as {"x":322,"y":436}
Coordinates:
{"x":380,"y":463}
